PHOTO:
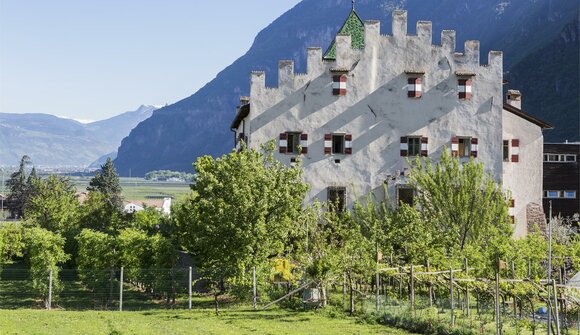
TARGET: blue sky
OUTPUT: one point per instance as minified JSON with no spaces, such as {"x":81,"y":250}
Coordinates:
{"x":90,"y":60}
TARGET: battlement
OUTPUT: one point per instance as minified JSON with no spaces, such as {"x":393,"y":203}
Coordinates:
{"x":419,"y":45}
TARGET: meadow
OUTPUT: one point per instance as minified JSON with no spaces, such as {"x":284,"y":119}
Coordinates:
{"x":140,"y":189}
{"x":197,"y":321}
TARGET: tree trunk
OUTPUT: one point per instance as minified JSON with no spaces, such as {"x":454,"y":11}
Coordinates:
{"x":215,"y":296}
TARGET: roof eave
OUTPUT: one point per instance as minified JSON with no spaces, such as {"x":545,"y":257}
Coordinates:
{"x":526,"y":116}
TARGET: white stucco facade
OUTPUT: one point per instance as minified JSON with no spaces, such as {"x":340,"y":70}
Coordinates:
{"x":377,"y":112}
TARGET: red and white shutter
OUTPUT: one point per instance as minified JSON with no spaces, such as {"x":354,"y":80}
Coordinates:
{"x":512,"y":210}
{"x":339,"y":84}
{"x":283,"y":143}
{"x":414,"y":88}
{"x":464,"y":88}
{"x":424,"y":146}
{"x":404,"y":146}
{"x":304,"y":143}
{"x":455,"y":146}
{"x":327,"y":144}
{"x":474,"y":147}
{"x":348,"y":144}
{"x":515,"y":150}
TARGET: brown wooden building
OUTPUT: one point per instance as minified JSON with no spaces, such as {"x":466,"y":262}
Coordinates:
{"x":562,"y":178}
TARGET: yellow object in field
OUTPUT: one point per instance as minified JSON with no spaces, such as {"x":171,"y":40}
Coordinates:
{"x":281,"y":265}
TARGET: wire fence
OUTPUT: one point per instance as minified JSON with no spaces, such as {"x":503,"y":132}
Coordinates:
{"x":97,"y":289}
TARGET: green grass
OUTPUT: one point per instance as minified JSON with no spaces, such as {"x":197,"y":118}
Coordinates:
{"x":199,"y":321}
{"x":139,"y":188}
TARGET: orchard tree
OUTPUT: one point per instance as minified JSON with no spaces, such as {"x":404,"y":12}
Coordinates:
{"x":45,"y":251}
{"x":106,"y":181}
{"x":463,"y":207}
{"x":242,"y":211}
{"x":53,"y":205}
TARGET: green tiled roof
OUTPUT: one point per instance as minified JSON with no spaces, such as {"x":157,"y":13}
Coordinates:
{"x":354,"y":27}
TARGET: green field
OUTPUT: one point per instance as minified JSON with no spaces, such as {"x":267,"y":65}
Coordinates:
{"x":205,"y":321}
{"x":140,"y":189}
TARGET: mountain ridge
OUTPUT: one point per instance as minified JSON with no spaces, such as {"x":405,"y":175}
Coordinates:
{"x":198,"y":125}
{"x":57,"y":141}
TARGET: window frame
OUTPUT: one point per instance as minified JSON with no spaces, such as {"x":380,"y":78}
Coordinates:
{"x":506,"y":150}
{"x":294,"y":148}
{"x":405,"y":187}
{"x":342,"y":138}
{"x":467,"y":145}
{"x":418,"y":145}
{"x":559,"y":158}
{"x":332,"y":199}
{"x":565,"y":194}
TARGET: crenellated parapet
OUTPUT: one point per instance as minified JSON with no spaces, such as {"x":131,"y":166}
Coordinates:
{"x":414,"y":52}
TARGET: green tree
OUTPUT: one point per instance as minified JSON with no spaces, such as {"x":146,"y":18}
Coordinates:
{"x":463,"y":207}
{"x":45,"y":251}
{"x":11,"y":242}
{"x":97,"y":260}
{"x":17,"y":198}
{"x":243,"y":212}
{"x":106,"y":181}
{"x":97,"y":214}
{"x":54,"y":205}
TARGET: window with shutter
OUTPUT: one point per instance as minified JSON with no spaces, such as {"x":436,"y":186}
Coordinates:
{"x":339,"y":84}
{"x":424,"y":146}
{"x":455,"y":146}
{"x":464,"y":88}
{"x":512,"y":210}
{"x":327,"y":144}
{"x":283,"y":143}
{"x":304,"y":143}
{"x":414,"y":88}
{"x":474,"y":146}
{"x":515,"y":150}
{"x":404,"y":146}
{"x":348,"y":144}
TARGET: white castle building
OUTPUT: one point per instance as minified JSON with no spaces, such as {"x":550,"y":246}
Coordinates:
{"x":372,"y":101}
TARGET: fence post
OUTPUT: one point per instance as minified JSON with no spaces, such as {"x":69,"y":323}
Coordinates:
{"x":467,"y":288}
{"x":377,"y":284}
{"x":412,"y":290}
{"x":343,"y":289}
{"x":497,"y":320}
{"x":451,"y":296}
{"x":190,"y":287}
{"x":254,"y":290}
{"x":121,"y":290}
{"x":430,"y":286}
{"x":49,"y":305}
{"x":556,"y":314}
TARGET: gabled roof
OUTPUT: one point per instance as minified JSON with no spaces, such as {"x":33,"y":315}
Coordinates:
{"x":526,"y":116}
{"x":354,"y":27}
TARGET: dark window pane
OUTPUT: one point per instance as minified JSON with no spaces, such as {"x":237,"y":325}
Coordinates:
{"x":337,"y":144}
{"x":406,"y":195}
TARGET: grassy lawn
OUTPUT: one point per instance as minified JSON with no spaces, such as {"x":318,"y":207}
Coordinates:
{"x":204,"y":321}
{"x":139,"y":188}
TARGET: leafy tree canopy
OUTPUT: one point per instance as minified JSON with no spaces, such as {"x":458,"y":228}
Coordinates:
{"x":106,"y":181}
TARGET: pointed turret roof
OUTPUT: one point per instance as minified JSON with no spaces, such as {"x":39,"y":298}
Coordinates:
{"x":354,"y":27}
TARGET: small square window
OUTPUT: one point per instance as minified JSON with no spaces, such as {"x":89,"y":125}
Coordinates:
{"x":570,"y":158}
{"x":338,"y":143}
{"x":414,"y":144}
{"x":293,"y":143}
{"x":551,"y":194}
{"x":464,"y":146}
{"x":405,"y":195}
{"x":570,"y":194}
{"x":337,"y":198}
{"x":506,"y":150}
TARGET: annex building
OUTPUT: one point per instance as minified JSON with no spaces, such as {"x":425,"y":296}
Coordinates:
{"x":371,"y":101}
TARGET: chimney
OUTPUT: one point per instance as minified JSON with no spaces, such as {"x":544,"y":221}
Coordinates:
{"x":514,"y":98}
{"x":244,"y":100}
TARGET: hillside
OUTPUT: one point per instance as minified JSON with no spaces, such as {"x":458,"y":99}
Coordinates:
{"x":55,"y":141}
{"x":198,"y":125}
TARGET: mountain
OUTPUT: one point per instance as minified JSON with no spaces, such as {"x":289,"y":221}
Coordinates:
{"x":198,"y":125}
{"x":53,"y":141}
